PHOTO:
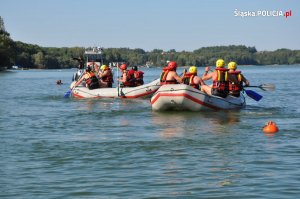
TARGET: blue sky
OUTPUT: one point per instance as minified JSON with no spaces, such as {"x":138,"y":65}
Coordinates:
{"x":163,"y":24}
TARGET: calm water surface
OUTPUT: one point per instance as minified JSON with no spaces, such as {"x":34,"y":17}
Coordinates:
{"x":52,"y":147}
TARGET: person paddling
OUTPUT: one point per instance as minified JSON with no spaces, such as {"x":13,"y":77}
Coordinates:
{"x":169,"y":75}
{"x":236,"y":80}
{"x":90,"y":79}
{"x":220,"y":80}
{"x":190,"y":78}
{"x":80,"y":67}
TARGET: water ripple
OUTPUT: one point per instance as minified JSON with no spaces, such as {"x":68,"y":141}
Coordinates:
{"x":52,"y":147}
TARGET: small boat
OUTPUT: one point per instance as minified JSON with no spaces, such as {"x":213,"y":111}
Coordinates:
{"x":142,"y":91}
{"x":184,"y":97}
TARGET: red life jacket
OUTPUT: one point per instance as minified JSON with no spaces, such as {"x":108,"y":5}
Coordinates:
{"x":130,"y":80}
{"x":235,"y":81}
{"x":139,"y":74}
{"x":221,"y":83}
{"x":163,"y":78}
{"x":188,"y":79}
{"x":139,"y":78}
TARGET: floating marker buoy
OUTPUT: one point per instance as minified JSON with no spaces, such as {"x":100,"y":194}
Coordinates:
{"x":270,"y":127}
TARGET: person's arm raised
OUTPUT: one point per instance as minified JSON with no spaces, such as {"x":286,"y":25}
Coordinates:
{"x":178,"y":79}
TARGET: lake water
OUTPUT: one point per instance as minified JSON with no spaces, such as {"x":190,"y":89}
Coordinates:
{"x":52,"y":147}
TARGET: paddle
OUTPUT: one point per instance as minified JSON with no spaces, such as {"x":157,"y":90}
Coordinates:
{"x":254,"y":95}
{"x":118,"y":84}
{"x":265,"y":87}
{"x":69,"y":92}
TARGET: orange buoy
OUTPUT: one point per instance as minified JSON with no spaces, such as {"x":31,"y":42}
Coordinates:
{"x":270,"y":127}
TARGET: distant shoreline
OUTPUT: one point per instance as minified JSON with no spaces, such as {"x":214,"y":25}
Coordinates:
{"x":182,"y":67}
{"x":17,"y":53}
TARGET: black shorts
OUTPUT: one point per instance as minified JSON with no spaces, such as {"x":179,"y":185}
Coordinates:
{"x":93,"y":85}
{"x":219,"y":93}
{"x":235,"y":94}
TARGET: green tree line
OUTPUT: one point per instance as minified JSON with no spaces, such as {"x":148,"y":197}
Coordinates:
{"x":34,"y":56}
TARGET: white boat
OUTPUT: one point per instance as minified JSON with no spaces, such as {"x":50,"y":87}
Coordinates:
{"x":94,"y":59}
{"x":184,"y":97}
{"x":142,"y":91}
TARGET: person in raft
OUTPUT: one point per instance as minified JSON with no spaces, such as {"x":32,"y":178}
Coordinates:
{"x":169,"y":75}
{"x":90,"y":79}
{"x":94,"y":67}
{"x":127,"y":79}
{"x":190,"y":78}
{"x":80,"y":67}
{"x":105,"y":77}
{"x":219,"y":76}
{"x":236,"y":80}
{"x":138,"y":76}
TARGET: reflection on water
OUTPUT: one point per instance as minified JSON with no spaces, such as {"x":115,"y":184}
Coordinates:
{"x":94,"y":104}
{"x":223,"y":117}
{"x":174,"y":124}
{"x":164,"y":122}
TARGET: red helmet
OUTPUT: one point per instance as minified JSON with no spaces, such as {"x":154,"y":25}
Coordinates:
{"x":172,"y":65}
{"x":123,"y":67}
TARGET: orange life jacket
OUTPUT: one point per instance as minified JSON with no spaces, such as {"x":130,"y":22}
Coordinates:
{"x":221,"y":83}
{"x":188,"y":79}
{"x":235,"y":81}
{"x":163,"y":78}
{"x":91,"y":80}
{"x":90,"y":77}
{"x":108,"y":78}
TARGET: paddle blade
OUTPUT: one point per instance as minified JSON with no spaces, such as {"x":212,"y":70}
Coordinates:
{"x":267,"y":87}
{"x":264,"y":87}
{"x":254,"y":95}
{"x":68,"y":93}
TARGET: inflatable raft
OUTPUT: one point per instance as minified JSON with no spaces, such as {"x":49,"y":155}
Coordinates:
{"x":184,"y":97}
{"x":143,"y":91}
